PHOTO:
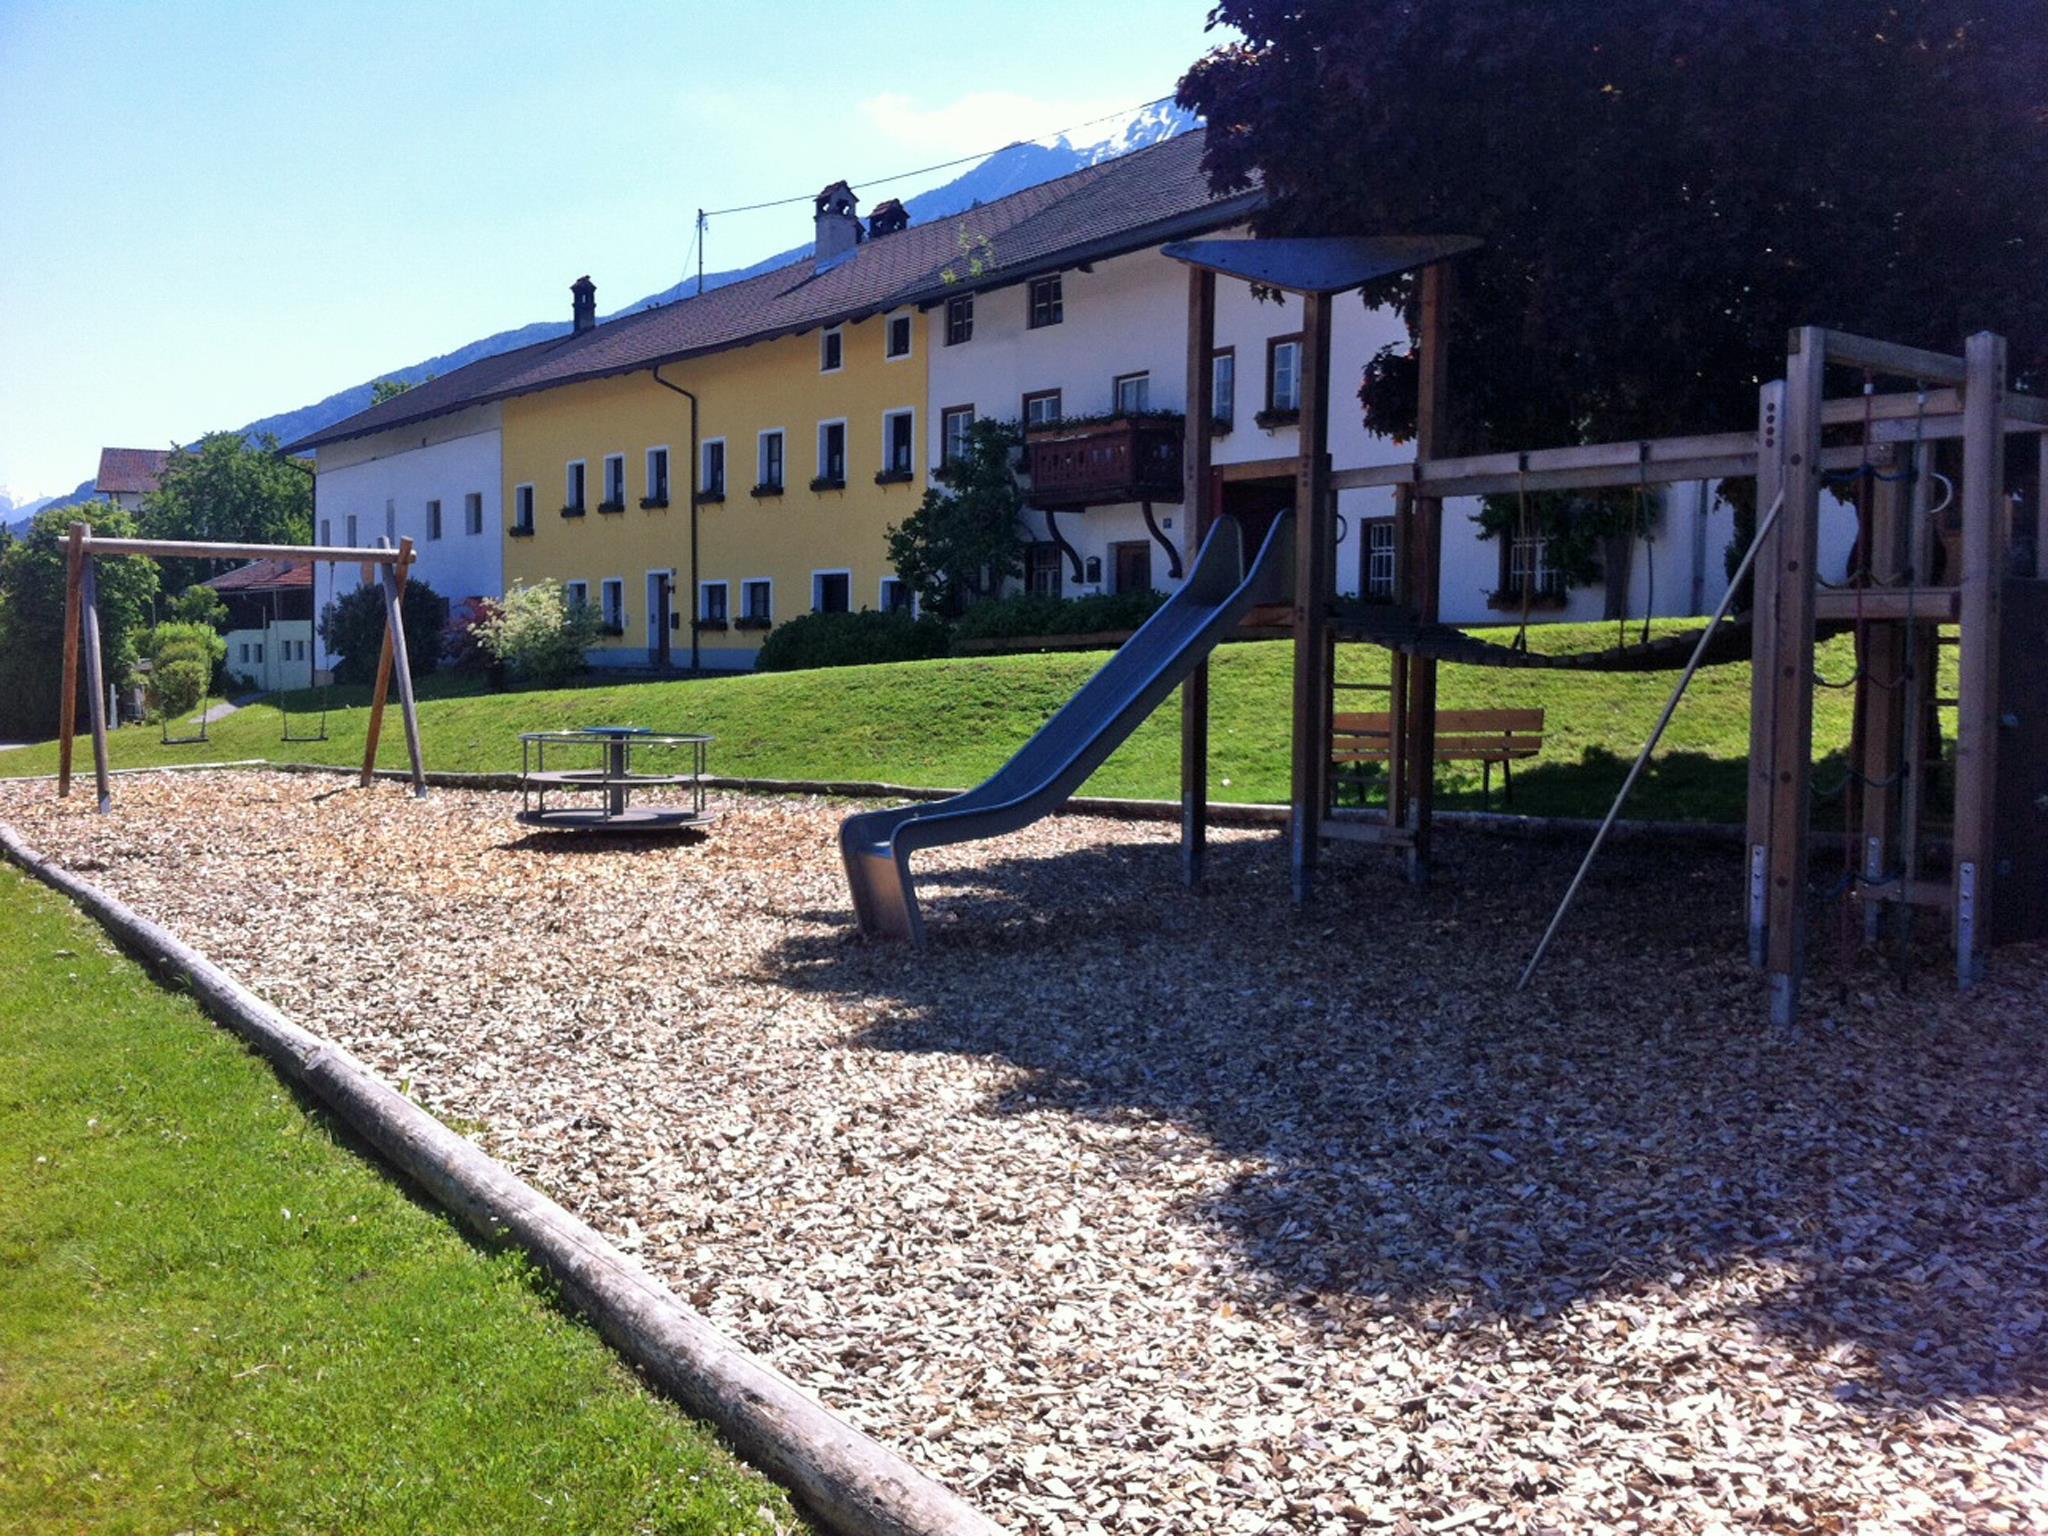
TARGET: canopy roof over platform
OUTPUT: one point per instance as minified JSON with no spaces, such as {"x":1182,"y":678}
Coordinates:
{"x":1322,"y":263}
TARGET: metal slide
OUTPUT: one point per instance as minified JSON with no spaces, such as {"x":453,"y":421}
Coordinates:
{"x":1048,"y":768}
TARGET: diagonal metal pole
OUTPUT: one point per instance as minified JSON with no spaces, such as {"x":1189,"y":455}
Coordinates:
{"x":1763,"y":529}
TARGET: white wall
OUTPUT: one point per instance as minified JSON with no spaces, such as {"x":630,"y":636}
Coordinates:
{"x":386,"y":481}
{"x":1129,"y":315}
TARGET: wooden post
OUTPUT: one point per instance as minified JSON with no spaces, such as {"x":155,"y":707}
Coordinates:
{"x":1314,"y":560}
{"x":1983,"y":493}
{"x":1770,"y":465}
{"x":1397,"y":668}
{"x":393,"y":584}
{"x":382,"y":689}
{"x":1881,"y":665}
{"x":95,"y":680}
{"x":1197,"y":511}
{"x":1792,"y":673}
{"x":1432,"y":440}
{"x":67,"y":706}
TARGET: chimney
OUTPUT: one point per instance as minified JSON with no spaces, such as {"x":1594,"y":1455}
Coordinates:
{"x":887,"y":219}
{"x":584,"y":311}
{"x":838,"y":222}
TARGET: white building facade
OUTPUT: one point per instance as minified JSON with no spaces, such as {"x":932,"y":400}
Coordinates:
{"x":1119,"y":341}
{"x":438,"y":482}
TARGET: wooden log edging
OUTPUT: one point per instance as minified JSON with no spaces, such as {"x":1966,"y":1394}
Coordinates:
{"x":849,"y":1482}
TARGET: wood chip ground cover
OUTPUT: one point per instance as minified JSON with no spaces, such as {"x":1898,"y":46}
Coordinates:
{"x":1124,"y":1210}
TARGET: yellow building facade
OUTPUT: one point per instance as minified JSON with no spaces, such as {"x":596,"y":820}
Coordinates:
{"x":809,"y":447}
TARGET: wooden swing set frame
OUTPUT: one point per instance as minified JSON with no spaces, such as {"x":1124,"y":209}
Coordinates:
{"x":389,"y":567}
{"x":1952,"y":398}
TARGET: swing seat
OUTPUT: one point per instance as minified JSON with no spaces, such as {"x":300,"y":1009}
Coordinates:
{"x":1483,"y":736}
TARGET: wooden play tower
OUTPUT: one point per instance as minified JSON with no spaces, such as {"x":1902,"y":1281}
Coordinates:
{"x":1943,"y":558}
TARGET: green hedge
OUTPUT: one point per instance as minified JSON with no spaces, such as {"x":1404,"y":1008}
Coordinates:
{"x":851,"y":640}
{"x":1013,"y":618}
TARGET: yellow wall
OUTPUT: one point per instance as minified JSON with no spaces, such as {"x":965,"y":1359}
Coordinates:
{"x":785,"y":539}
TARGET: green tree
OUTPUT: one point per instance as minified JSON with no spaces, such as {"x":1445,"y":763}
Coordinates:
{"x":32,"y":580}
{"x":199,"y":604}
{"x":391,"y":388}
{"x":183,"y":659}
{"x":352,"y":627}
{"x":228,"y":490}
{"x":1664,"y":186}
{"x":964,"y":539}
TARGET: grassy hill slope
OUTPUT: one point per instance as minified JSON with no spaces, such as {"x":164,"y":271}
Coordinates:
{"x":950,"y":723}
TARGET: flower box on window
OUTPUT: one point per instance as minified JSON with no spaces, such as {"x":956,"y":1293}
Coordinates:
{"x":895,"y":476}
{"x":826,"y":483}
{"x":1279,"y":417}
{"x":611,"y":506}
{"x":744,"y":622}
{"x":655,"y":503}
{"x":765,"y":488}
{"x":711,"y":624}
{"x":520,"y":531}
{"x":572,"y":511}
{"x":709,"y":498}
{"x":614,"y":630}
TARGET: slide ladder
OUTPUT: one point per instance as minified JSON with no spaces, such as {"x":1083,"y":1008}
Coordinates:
{"x":1218,"y":592}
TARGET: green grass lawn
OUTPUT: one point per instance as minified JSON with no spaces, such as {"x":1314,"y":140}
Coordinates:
{"x":951,"y":723}
{"x":215,"y":1317}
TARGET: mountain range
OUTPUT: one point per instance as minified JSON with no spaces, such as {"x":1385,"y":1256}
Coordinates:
{"x":1008,"y":170}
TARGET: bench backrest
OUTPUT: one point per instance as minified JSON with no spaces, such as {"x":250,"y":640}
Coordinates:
{"x":1493,"y":735}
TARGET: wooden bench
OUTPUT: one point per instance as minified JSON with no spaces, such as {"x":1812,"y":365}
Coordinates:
{"x":1484,"y":736}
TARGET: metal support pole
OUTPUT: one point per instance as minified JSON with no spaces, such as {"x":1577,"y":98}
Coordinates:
{"x":1699,"y":650}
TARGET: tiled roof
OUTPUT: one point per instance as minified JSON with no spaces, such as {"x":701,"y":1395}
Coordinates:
{"x":1123,"y":204}
{"x":263,"y":576}
{"x":125,"y":471}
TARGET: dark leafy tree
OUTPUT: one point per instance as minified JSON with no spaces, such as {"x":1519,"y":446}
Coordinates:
{"x":352,"y":627}
{"x":226,"y":489}
{"x":964,"y":540}
{"x":1665,"y":186}
{"x":32,"y":577}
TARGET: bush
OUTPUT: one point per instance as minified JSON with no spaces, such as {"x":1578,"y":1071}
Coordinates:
{"x":1011,"y":618}
{"x":182,"y":661}
{"x":462,"y":648}
{"x":537,"y":634}
{"x":352,"y":627}
{"x":852,"y":640}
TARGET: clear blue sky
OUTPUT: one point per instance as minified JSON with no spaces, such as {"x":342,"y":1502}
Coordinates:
{"x":213,"y":211}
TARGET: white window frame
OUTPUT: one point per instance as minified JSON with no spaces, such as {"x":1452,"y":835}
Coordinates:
{"x":1217,"y":359}
{"x":606,"y":586}
{"x":818,"y":591}
{"x":946,"y":419}
{"x":882,"y":594}
{"x":725,"y":617}
{"x":1033,"y":397}
{"x":828,"y":331}
{"x":910,"y":459}
{"x":1274,"y":401}
{"x":472,"y":526}
{"x":576,"y":473}
{"x":845,"y":449}
{"x":576,"y":594}
{"x":909,"y":319}
{"x":525,"y":489}
{"x":756,"y":581}
{"x":609,"y":460}
{"x":761,"y":456}
{"x":1142,"y":378}
{"x":433,"y":519}
{"x":1381,"y":556}
{"x":704,"y":487}
{"x":668,"y":493}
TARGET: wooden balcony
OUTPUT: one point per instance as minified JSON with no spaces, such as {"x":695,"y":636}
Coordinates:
{"x":1102,"y":463}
